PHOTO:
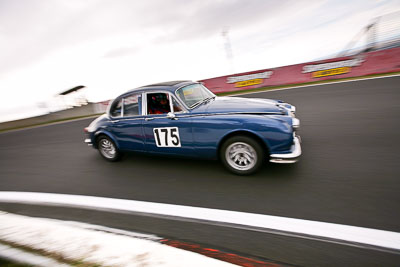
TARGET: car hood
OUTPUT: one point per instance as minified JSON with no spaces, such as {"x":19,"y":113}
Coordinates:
{"x":240,"y":105}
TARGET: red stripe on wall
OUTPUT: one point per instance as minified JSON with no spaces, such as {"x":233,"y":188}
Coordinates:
{"x":220,"y":255}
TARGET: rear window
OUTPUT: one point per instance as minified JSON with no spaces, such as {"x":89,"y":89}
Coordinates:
{"x":132,"y":105}
{"x":116,"y":109}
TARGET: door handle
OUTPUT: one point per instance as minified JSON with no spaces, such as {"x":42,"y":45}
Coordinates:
{"x":171,"y":116}
{"x":149,"y":119}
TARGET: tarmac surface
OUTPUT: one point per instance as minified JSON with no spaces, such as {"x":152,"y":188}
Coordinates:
{"x":348,"y":174}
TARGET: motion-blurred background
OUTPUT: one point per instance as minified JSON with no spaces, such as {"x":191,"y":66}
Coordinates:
{"x":59,"y":54}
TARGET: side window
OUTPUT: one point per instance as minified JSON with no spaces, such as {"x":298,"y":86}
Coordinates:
{"x":132,"y":105}
{"x":116,"y":109}
{"x":177,"y":107}
{"x":158,"y":103}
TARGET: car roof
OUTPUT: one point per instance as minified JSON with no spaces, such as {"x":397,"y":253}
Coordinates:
{"x":164,"y":86}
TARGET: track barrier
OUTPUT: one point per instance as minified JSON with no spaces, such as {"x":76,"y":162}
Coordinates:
{"x":375,"y":62}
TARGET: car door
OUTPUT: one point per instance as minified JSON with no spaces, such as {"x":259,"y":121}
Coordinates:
{"x":167,"y":128}
{"x":127,"y":124}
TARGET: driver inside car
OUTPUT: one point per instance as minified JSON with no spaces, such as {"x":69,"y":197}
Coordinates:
{"x":158,"y":103}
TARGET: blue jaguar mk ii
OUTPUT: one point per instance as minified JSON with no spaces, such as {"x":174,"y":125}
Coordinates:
{"x":183,"y":118}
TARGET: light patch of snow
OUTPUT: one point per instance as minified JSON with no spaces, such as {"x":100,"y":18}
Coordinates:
{"x":104,"y":248}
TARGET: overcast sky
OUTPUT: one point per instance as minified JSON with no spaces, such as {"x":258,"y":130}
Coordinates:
{"x":110,"y":46}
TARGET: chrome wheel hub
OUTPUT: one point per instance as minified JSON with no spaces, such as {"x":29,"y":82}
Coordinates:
{"x":241,"y":156}
{"x":107,"y":148}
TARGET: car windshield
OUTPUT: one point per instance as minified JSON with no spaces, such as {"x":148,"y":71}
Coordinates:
{"x":194,"y":94}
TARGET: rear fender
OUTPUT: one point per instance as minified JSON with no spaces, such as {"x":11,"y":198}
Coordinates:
{"x":106,"y":133}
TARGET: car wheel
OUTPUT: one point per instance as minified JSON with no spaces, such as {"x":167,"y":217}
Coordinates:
{"x":108,"y":149}
{"x":242,"y":155}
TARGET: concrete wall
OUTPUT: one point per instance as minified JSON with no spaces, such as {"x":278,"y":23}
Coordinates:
{"x":86,"y":110}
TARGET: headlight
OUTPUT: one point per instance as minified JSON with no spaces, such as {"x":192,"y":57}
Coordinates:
{"x":295,"y":123}
{"x":291,"y":110}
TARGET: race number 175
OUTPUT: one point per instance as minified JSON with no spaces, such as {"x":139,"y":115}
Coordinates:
{"x":167,"y":137}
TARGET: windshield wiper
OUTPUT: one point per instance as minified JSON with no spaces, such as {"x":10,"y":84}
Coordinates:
{"x":207,"y":99}
{"x":202,"y":101}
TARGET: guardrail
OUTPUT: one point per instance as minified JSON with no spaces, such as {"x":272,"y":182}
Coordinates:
{"x":376,"y":62}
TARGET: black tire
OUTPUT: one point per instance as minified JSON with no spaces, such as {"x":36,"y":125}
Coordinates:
{"x":248,"y":157}
{"x":107,"y":148}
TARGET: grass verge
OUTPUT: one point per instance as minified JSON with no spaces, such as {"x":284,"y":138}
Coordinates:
{"x":44,"y":253}
{"x":48,"y":122}
{"x":6,"y":263}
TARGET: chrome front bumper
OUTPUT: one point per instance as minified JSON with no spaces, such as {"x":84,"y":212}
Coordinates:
{"x":291,"y":157}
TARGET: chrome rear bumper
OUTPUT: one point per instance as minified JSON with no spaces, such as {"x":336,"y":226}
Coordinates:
{"x":291,"y":157}
{"x":88,"y":142}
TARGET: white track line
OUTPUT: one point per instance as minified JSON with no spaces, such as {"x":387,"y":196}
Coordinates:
{"x":105,"y":229}
{"x":330,"y":232}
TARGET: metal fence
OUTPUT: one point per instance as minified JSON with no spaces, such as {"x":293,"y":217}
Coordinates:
{"x":380,"y":33}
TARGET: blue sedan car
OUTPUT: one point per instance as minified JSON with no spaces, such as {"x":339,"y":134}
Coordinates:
{"x":183,"y":118}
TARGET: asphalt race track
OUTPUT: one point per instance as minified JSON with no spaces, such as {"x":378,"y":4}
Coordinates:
{"x":349,"y":174}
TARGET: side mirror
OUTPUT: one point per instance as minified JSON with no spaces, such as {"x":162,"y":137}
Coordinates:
{"x":171,"y":116}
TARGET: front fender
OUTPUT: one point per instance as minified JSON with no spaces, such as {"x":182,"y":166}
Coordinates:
{"x":246,"y":132}
{"x":210,"y":131}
